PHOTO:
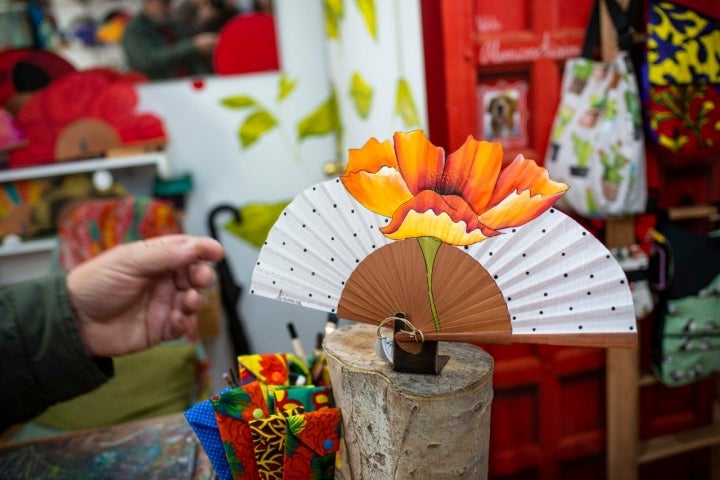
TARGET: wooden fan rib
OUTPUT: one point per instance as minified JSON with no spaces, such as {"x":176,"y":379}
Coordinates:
{"x":491,"y":319}
{"x":370,"y":310}
{"x":360,"y":311}
{"x":489,"y":304}
{"x":591,"y":321}
{"x":604,"y":340}
{"x":409,"y":290}
{"x":388,"y":282}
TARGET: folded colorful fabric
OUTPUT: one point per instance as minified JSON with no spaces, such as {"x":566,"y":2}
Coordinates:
{"x":682,"y":81}
{"x":268,"y":368}
{"x":269,"y":441}
{"x":312,"y":441}
{"x":201,"y":418}
{"x":234,"y":408}
{"x":308,"y":397}
{"x":244,"y":429}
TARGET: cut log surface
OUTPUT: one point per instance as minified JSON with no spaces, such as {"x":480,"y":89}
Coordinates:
{"x":410,"y":426}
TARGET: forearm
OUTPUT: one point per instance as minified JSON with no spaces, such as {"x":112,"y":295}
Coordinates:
{"x":42,"y":358}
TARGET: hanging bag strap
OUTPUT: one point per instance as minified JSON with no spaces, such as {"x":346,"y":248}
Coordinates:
{"x":622,"y":20}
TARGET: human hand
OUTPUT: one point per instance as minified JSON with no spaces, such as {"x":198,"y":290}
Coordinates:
{"x":205,"y":42}
{"x":139,"y":294}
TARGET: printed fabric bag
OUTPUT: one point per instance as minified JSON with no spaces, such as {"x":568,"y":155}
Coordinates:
{"x":681,"y":81}
{"x":597,"y":144}
{"x":272,"y":368}
{"x":686,"y":334}
{"x":234,"y":408}
{"x":312,"y":444}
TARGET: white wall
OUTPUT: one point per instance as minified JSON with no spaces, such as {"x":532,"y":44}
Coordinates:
{"x":203,"y":136}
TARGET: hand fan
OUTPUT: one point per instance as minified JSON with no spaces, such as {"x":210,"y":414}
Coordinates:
{"x":469,"y":253}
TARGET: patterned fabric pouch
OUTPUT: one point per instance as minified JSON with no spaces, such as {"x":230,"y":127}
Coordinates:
{"x":201,"y":418}
{"x":234,"y":409}
{"x":682,"y":77}
{"x":268,"y":436}
{"x":268,"y":368}
{"x":687,"y":331}
{"x":690,"y":342}
{"x":308,"y":397}
{"x":312,"y":442}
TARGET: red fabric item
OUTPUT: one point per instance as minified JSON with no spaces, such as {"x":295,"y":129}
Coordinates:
{"x":46,"y":63}
{"x":235,"y":430}
{"x":94,"y":226}
{"x":311,"y":445}
{"x":709,"y":8}
{"x":82,"y":115}
{"x":247,"y":44}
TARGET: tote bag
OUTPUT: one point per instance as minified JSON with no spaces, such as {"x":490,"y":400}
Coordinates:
{"x":597,"y":144}
{"x":681,"y":78}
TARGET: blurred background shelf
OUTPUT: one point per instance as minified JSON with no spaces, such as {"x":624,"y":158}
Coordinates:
{"x":158,"y":159}
{"x":25,"y":259}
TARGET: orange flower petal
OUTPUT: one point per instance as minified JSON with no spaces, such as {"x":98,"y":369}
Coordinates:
{"x":373,"y":178}
{"x":472,"y":171}
{"x":524,"y":190}
{"x":524,"y":174}
{"x":421,"y":163}
{"x":371,"y":157}
{"x":517,"y":209}
{"x":448,"y":218}
{"x":381,"y":192}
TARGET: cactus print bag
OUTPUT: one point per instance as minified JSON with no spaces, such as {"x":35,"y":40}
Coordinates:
{"x":597,"y":144}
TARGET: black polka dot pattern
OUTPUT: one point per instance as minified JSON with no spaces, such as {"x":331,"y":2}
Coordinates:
{"x":556,"y":278}
{"x":317,"y":242}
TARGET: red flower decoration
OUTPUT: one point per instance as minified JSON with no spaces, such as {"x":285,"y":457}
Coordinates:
{"x":84,"y":115}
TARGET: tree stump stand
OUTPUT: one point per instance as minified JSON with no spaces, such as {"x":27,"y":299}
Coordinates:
{"x":400,"y":426}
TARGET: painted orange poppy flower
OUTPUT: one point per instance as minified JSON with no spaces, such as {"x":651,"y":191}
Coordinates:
{"x":460,"y":200}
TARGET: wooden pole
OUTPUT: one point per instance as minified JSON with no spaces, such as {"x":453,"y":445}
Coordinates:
{"x":622,"y":365}
{"x":399,"y":426}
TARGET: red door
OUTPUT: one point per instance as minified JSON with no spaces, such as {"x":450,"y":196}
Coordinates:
{"x":477,"y":52}
{"x":548,"y":415}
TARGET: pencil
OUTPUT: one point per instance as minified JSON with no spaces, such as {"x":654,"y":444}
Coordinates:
{"x":296,"y":343}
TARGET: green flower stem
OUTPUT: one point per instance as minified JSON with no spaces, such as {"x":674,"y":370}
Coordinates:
{"x":430,"y":247}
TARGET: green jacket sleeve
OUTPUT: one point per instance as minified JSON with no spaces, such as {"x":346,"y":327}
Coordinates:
{"x":42,"y":359}
{"x":147,"y":51}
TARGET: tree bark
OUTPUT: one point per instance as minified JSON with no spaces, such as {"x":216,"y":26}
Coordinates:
{"x":400,"y":426}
